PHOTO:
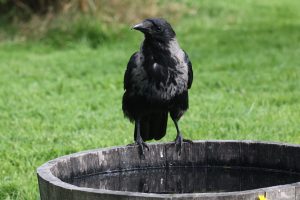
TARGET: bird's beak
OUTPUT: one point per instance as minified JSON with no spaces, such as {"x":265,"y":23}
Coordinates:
{"x":138,"y":26}
{"x":143,"y":27}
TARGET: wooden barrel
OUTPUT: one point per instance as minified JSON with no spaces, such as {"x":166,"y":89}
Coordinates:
{"x":52,"y":175}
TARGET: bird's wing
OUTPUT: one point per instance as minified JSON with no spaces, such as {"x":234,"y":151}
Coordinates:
{"x":127,"y":76}
{"x":190,"y":70}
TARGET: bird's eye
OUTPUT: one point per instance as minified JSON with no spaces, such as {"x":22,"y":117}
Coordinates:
{"x":158,"y":28}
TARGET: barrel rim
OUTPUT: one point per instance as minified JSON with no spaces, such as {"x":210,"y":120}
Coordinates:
{"x":44,"y":172}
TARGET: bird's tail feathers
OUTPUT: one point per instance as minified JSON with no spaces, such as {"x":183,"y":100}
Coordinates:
{"x":153,"y":126}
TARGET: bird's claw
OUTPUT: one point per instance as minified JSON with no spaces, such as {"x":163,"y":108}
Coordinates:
{"x":178,"y":143}
{"x":188,"y":141}
{"x":131,"y":144}
{"x":142,"y":145}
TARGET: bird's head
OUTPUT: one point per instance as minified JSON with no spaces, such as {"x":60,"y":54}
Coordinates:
{"x":156,"y":28}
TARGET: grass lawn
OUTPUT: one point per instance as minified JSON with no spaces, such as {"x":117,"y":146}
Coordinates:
{"x":246,"y":60}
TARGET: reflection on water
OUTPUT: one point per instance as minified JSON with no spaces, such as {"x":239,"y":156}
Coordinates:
{"x":187,"y":180}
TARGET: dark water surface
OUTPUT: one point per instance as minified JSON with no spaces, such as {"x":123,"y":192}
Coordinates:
{"x":187,"y":180}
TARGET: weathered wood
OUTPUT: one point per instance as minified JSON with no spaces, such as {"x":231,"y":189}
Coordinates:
{"x":297,"y":190}
{"x":201,"y":153}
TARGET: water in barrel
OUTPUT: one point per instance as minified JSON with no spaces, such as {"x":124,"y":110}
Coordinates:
{"x":187,"y":180}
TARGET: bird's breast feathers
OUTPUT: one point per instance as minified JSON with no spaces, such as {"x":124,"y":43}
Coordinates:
{"x":174,"y":83}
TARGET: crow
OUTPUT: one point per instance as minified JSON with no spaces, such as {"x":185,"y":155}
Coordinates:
{"x":156,"y":82}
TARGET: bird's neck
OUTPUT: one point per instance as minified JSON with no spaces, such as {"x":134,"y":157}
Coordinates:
{"x":157,"y":49}
{"x":158,"y":58}
{"x":151,"y":46}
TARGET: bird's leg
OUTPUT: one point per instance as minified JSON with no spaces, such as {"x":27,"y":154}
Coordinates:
{"x":179,"y":139}
{"x":139,"y":140}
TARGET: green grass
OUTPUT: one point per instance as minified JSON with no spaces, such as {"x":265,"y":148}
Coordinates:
{"x":55,"y":101}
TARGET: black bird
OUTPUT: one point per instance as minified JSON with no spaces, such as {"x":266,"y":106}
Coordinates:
{"x":156,"y":83}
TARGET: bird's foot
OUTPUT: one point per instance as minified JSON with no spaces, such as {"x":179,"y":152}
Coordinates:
{"x":142,"y":146}
{"x":188,"y":141}
{"x":178,"y":143}
{"x":131,"y":144}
